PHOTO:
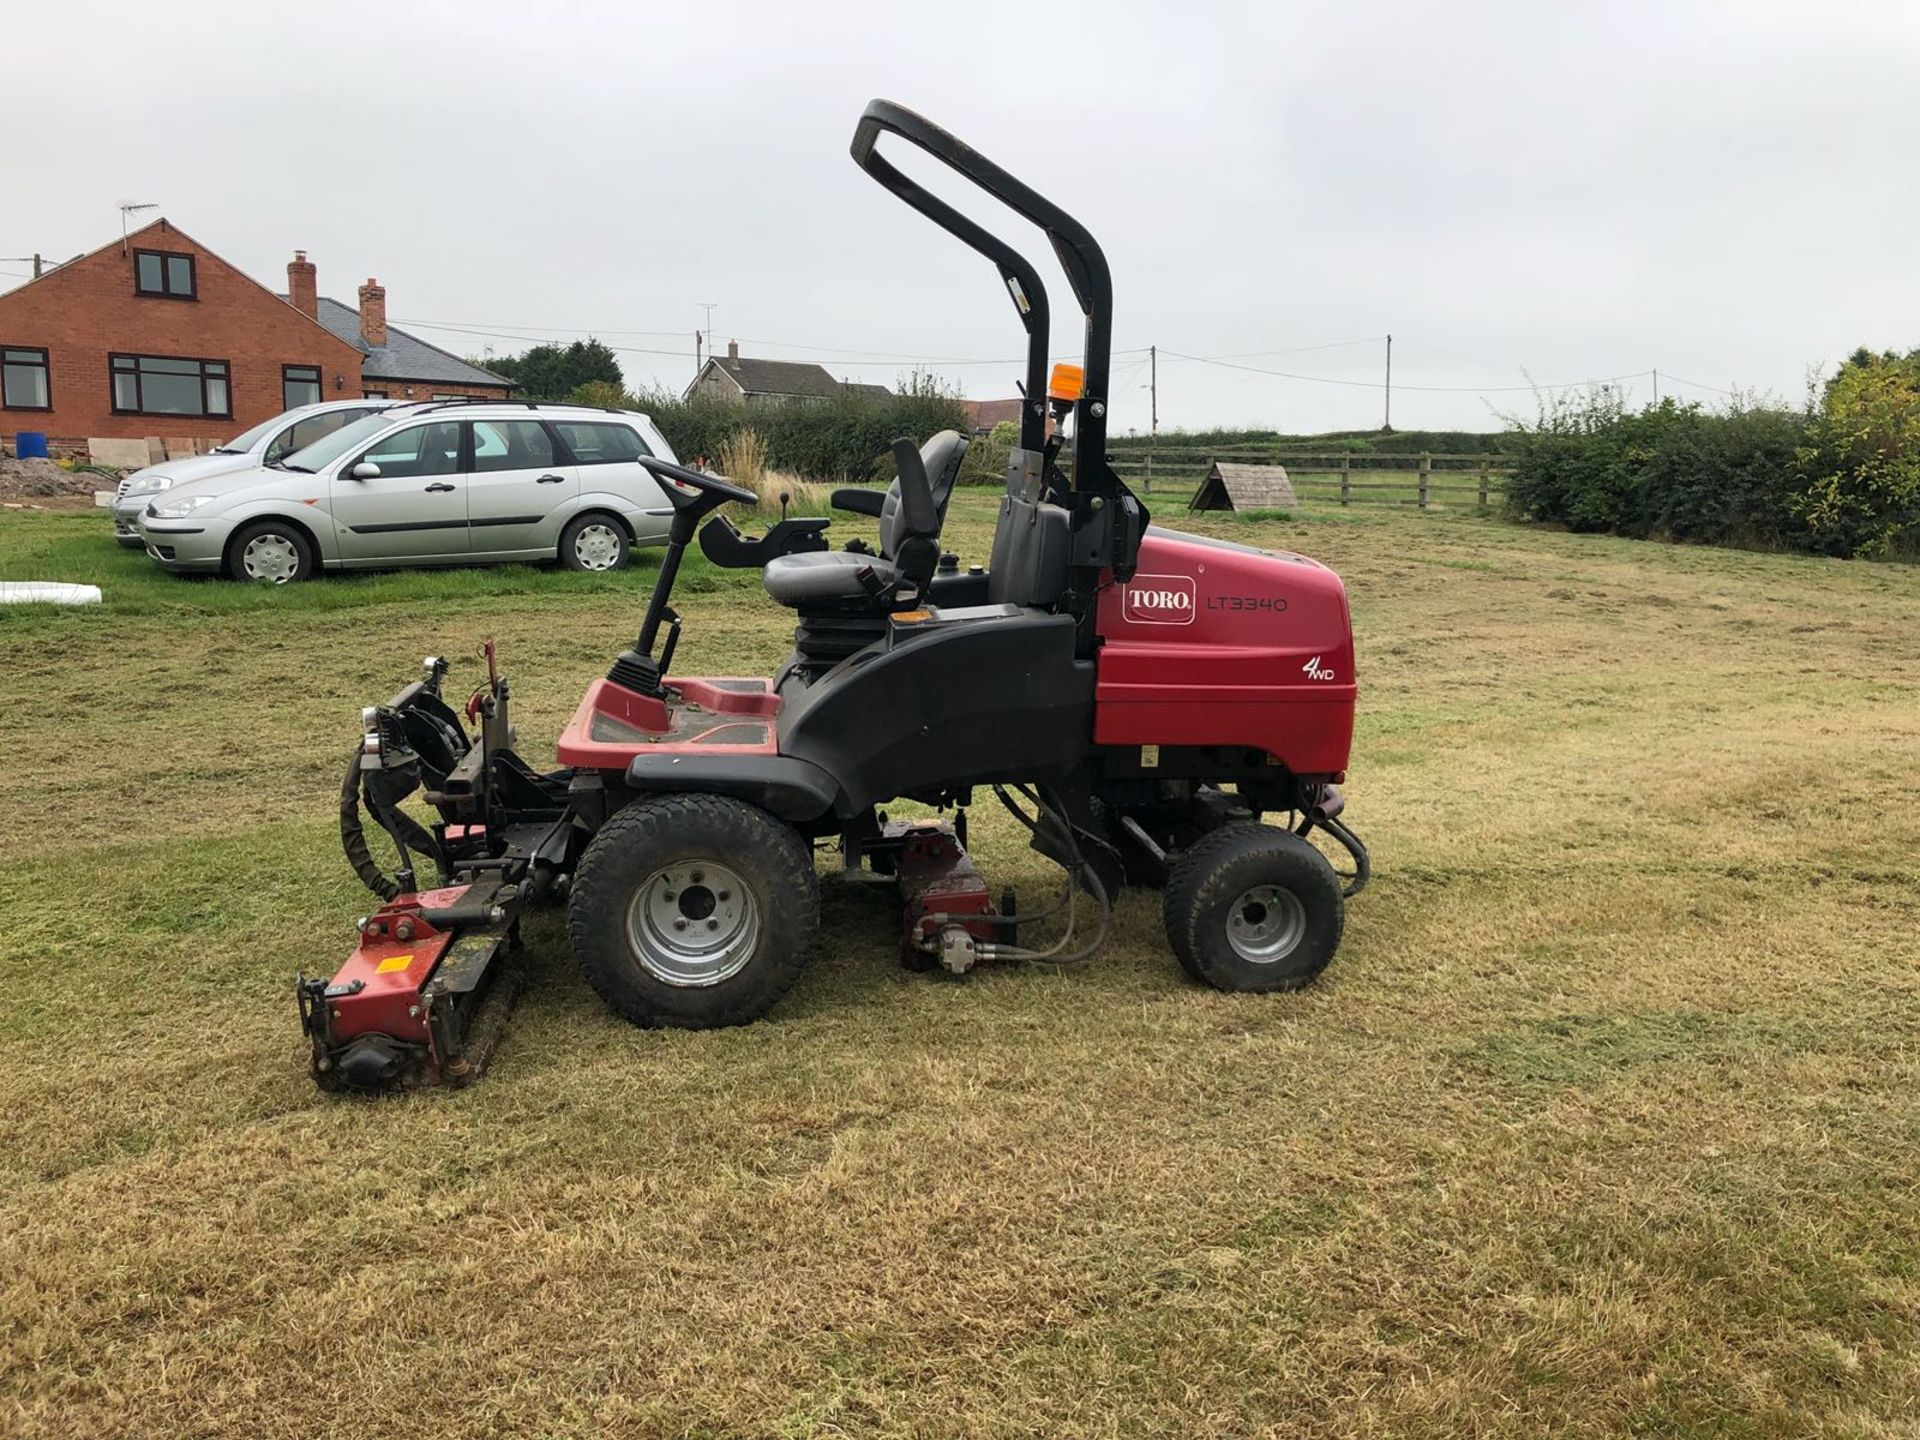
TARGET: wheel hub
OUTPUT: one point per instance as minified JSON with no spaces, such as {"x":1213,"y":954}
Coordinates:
{"x":596,"y":547}
{"x":271,"y":558}
{"x":1266,"y":924}
{"x":693,"y":924}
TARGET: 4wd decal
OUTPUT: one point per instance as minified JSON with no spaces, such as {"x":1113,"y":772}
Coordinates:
{"x":1314,"y":670}
{"x":1158,"y":600}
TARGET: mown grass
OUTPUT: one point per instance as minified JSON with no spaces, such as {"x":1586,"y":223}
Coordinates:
{"x":1601,"y":1124}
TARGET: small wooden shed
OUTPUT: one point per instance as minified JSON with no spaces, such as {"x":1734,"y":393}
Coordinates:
{"x":1245,"y":487}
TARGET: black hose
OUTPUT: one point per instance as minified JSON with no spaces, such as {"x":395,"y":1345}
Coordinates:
{"x":353,"y":839}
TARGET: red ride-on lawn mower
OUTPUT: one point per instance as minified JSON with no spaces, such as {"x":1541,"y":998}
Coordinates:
{"x":1137,"y":697}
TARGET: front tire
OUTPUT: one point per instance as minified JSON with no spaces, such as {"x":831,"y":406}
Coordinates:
{"x":270,"y":552}
{"x":1252,"y":908}
{"x":694,"y":911}
{"x":594,"y":543}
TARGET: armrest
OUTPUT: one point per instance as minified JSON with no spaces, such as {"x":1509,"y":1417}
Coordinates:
{"x":859,"y":502}
{"x":723,"y":544}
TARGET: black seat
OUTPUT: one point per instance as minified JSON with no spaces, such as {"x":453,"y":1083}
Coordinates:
{"x":830,"y":580}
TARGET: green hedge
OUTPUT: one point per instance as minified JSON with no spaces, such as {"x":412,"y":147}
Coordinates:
{"x":835,"y":441}
{"x":1840,"y":476}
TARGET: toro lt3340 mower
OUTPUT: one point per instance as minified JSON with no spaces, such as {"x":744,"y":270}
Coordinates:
{"x":1137,"y":697}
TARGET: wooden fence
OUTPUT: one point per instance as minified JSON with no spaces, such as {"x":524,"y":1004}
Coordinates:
{"x":1364,"y":477}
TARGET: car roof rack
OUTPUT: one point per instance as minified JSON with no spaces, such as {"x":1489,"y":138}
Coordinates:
{"x":424,"y":407}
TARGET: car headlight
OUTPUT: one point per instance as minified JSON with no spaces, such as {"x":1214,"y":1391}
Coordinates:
{"x":178,"y":509}
{"x":150,"y":485}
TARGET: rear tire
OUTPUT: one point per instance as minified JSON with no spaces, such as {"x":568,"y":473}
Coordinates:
{"x":694,"y":911}
{"x":270,"y":552}
{"x":1252,"y":908}
{"x":595,"y":543}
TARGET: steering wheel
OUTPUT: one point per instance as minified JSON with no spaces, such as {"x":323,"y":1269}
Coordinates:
{"x":715,"y":491}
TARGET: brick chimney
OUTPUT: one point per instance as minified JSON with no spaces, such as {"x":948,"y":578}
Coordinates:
{"x":373,"y":313}
{"x":302,"y":289}
{"x":733,"y":349}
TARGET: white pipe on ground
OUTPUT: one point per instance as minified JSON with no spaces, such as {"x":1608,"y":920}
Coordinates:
{"x":47,"y":592}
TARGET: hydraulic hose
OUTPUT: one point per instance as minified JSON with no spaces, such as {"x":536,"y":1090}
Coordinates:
{"x":353,"y":839}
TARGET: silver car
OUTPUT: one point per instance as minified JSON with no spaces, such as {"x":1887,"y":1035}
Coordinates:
{"x":273,"y":439}
{"x":439,"y":483}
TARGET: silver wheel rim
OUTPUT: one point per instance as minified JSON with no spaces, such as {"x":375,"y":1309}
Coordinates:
{"x":270,"y":557}
{"x":693,"y":924}
{"x":597,"y":547}
{"x":1266,"y":924}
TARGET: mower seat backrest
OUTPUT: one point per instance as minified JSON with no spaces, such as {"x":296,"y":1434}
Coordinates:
{"x":941,"y":455}
{"x":1032,"y":541}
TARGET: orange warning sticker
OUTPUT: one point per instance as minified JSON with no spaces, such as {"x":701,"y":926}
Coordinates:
{"x":392,"y":963}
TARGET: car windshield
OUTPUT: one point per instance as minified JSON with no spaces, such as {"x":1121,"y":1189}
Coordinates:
{"x":247,"y":439}
{"x":329,"y":448}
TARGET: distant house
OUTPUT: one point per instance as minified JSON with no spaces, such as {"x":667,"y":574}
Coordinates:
{"x":741,"y":381}
{"x":158,"y":336}
{"x":985,"y":414}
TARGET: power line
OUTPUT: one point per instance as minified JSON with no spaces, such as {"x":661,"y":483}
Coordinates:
{"x":891,"y":356}
{"x":1697,"y":385}
{"x":1430,"y":389}
{"x":1298,"y":349}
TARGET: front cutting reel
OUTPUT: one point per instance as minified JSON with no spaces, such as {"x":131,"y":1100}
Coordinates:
{"x":426,"y":992}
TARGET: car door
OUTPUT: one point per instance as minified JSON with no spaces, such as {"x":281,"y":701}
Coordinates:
{"x":517,"y":485}
{"x":414,"y":508}
{"x":608,"y":453}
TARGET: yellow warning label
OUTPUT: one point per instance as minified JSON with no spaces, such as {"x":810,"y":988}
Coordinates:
{"x":392,"y":963}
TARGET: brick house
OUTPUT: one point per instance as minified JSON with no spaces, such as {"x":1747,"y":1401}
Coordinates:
{"x":158,"y":336}
{"x":740,"y":381}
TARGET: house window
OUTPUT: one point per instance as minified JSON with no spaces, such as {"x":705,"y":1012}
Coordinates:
{"x":23,"y":379}
{"x":156,"y":272}
{"x":373,"y":394}
{"x":299,"y":385}
{"x":169,"y":385}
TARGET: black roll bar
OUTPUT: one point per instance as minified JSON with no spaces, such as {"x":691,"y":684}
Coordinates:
{"x":1079,"y":254}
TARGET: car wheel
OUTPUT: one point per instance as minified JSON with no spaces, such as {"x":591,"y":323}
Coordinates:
{"x":270,"y":552}
{"x":593,"y":543}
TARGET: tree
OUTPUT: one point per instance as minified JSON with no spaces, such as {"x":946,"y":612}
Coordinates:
{"x":552,"y":372}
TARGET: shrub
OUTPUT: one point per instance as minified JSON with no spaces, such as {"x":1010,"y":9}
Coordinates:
{"x":1672,"y":469}
{"x":743,"y":459}
{"x":845,"y":438}
{"x":986,"y":462}
{"x":1861,"y":459}
{"x":602,"y":393}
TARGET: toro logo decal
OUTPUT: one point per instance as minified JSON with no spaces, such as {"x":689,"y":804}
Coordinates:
{"x":1159,"y":600}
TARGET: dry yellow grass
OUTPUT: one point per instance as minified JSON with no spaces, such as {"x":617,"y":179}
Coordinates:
{"x":1602,"y":1123}
{"x":743,"y":459}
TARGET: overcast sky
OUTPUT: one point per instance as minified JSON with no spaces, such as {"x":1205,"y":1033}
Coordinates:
{"x":1517,"y":191}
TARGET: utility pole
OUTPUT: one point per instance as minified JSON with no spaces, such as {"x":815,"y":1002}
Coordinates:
{"x":1387,"y":423}
{"x":1656,"y":387}
{"x":1153,"y":387}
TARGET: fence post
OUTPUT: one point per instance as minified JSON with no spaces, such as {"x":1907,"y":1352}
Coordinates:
{"x":1483,"y":482}
{"x":1426,"y":477}
{"x":1345,"y":477}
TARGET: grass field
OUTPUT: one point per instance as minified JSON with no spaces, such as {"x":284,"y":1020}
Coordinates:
{"x":1603,"y":1122}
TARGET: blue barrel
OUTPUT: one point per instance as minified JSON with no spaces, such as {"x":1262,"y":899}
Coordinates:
{"x":30,"y":445}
